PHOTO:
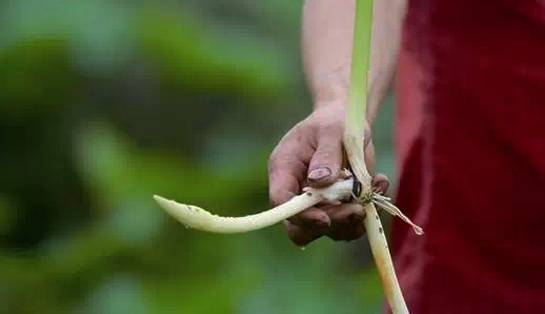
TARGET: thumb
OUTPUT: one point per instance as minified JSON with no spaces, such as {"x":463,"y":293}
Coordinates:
{"x":326,"y":162}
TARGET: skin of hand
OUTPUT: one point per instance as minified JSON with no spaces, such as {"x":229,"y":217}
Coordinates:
{"x":310,"y":154}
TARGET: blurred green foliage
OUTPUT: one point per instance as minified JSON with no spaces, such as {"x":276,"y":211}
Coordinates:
{"x":103,"y":104}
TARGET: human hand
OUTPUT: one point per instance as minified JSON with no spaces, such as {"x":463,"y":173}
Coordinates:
{"x":311,"y":154}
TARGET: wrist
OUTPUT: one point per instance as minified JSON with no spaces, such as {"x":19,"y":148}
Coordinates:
{"x":337,"y":104}
{"x":331,"y":98}
{"x":331,"y":89}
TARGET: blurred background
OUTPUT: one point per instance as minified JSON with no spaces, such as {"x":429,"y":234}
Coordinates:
{"x":105,"y":103}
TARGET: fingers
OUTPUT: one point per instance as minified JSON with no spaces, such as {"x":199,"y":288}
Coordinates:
{"x":341,"y":222}
{"x":288,"y":166}
{"x":313,"y":151}
{"x":282,"y":185}
{"x":346,"y":222}
{"x":326,"y":162}
{"x":380,"y":183}
{"x":312,"y":218}
{"x":302,"y":236}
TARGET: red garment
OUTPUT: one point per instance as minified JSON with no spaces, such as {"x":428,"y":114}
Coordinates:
{"x":471,"y":141}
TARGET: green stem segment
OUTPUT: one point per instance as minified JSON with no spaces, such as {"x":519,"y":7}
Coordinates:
{"x":361,"y":52}
{"x":357,"y":101}
{"x":353,"y":145}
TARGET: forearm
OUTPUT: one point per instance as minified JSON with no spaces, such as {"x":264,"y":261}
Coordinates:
{"x":327,"y":47}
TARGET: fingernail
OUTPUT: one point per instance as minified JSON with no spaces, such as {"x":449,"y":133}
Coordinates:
{"x":319,"y":174}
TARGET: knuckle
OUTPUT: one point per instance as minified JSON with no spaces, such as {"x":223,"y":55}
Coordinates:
{"x":271,"y":163}
{"x":278,"y":194}
{"x":300,"y":220}
{"x":310,"y":125}
{"x":299,"y":235}
{"x":285,"y":147}
{"x":275,"y":159}
{"x":297,"y":132}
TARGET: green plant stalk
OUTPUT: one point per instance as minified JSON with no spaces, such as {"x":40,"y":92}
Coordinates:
{"x":353,"y":145}
{"x":357,"y":99}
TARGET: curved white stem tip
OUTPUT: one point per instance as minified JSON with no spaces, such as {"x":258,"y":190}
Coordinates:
{"x":198,"y":218}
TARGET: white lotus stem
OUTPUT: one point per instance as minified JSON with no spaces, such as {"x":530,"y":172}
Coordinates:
{"x":198,"y":218}
{"x":385,"y":266}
